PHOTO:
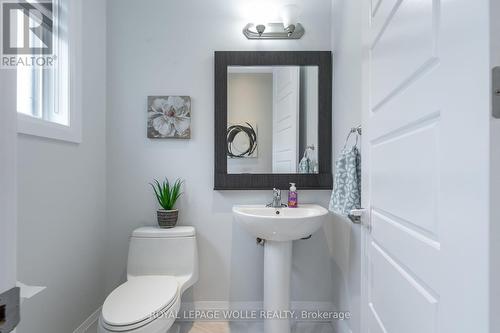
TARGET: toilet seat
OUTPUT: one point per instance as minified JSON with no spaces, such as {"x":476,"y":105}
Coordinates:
{"x":136,"y":302}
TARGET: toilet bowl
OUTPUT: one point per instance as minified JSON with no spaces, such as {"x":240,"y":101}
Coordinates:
{"x":162,"y":264}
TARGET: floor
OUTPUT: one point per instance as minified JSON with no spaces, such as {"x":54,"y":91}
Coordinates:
{"x":237,"y":327}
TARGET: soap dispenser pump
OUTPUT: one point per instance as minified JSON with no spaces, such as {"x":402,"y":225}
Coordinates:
{"x":292,"y":196}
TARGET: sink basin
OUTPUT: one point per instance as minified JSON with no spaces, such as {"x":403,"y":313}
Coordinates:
{"x":279,"y":227}
{"x":280,"y":224}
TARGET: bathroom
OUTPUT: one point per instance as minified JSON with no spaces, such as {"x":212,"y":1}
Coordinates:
{"x":70,"y":200}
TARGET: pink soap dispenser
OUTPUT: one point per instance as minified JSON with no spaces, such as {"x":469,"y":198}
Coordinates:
{"x":293,"y":200}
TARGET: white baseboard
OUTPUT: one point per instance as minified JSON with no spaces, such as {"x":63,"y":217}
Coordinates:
{"x":93,"y":318}
{"x":340,"y":325}
{"x":249,"y":306}
{"x":224,"y":305}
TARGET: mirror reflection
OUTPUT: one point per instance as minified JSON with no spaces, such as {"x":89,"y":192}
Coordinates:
{"x":272,"y":119}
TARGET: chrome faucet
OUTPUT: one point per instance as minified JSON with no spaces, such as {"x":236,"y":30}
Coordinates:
{"x":276,"y":203}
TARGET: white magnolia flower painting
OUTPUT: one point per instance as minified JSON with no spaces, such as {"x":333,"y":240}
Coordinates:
{"x":169,"y":117}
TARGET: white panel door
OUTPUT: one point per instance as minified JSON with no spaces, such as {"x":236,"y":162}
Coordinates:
{"x":425,"y":166}
{"x":286,"y":85}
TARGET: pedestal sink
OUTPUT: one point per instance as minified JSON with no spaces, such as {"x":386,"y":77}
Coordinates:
{"x":279,"y":227}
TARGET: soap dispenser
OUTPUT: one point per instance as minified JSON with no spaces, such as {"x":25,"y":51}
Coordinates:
{"x":292,"y":196}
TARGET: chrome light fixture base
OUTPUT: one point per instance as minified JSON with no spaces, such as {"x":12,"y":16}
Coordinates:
{"x":273,"y":31}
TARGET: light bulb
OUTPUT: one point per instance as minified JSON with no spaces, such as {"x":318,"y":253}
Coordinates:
{"x":289,"y":14}
{"x":260,"y":29}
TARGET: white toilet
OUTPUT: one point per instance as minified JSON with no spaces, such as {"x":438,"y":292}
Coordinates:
{"x":162,"y":264}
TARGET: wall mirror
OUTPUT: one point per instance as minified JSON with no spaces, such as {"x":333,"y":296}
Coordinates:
{"x":273,"y":120}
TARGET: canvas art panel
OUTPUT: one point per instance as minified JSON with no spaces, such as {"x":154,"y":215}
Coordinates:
{"x":242,"y":140}
{"x":169,"y":117}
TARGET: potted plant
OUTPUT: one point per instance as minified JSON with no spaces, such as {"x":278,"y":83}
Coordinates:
{"x":167,"y":195}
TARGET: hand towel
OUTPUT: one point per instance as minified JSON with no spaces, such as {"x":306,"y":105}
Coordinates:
{"x":346,"y":193}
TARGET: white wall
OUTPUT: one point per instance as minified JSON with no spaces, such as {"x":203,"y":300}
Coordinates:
{"x":166,"y":47}
{"x":346,"y":25}
{"x":62,"y":204}
{"x":250,"y":99}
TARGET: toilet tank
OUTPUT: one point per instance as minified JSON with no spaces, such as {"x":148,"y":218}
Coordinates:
{"x":156,"y":251}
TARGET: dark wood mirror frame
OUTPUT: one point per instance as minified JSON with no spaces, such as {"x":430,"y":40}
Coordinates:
{"x":321,"y":180}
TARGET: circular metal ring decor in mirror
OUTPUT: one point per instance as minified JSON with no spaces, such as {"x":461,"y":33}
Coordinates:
{"x":241,"y":141}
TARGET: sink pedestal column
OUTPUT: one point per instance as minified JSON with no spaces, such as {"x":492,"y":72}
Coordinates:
{"x":277,"y":274}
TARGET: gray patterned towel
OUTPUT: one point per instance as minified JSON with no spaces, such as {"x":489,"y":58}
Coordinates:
{"x":346,"y":193}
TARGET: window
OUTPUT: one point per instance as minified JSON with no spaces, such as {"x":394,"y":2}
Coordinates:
{"x":47,"y":96}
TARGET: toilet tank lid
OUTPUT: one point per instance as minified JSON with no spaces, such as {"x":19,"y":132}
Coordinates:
{"x":156,"y":232}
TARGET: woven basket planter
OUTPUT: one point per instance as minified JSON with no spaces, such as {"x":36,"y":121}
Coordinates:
{"x":167,"y":218}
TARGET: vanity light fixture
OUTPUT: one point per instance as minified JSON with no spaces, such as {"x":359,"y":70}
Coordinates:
{"x":289,"y":16}
{"x":288,"y":29}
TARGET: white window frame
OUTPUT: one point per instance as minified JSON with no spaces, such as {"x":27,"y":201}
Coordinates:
{"x":42,"y":128}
